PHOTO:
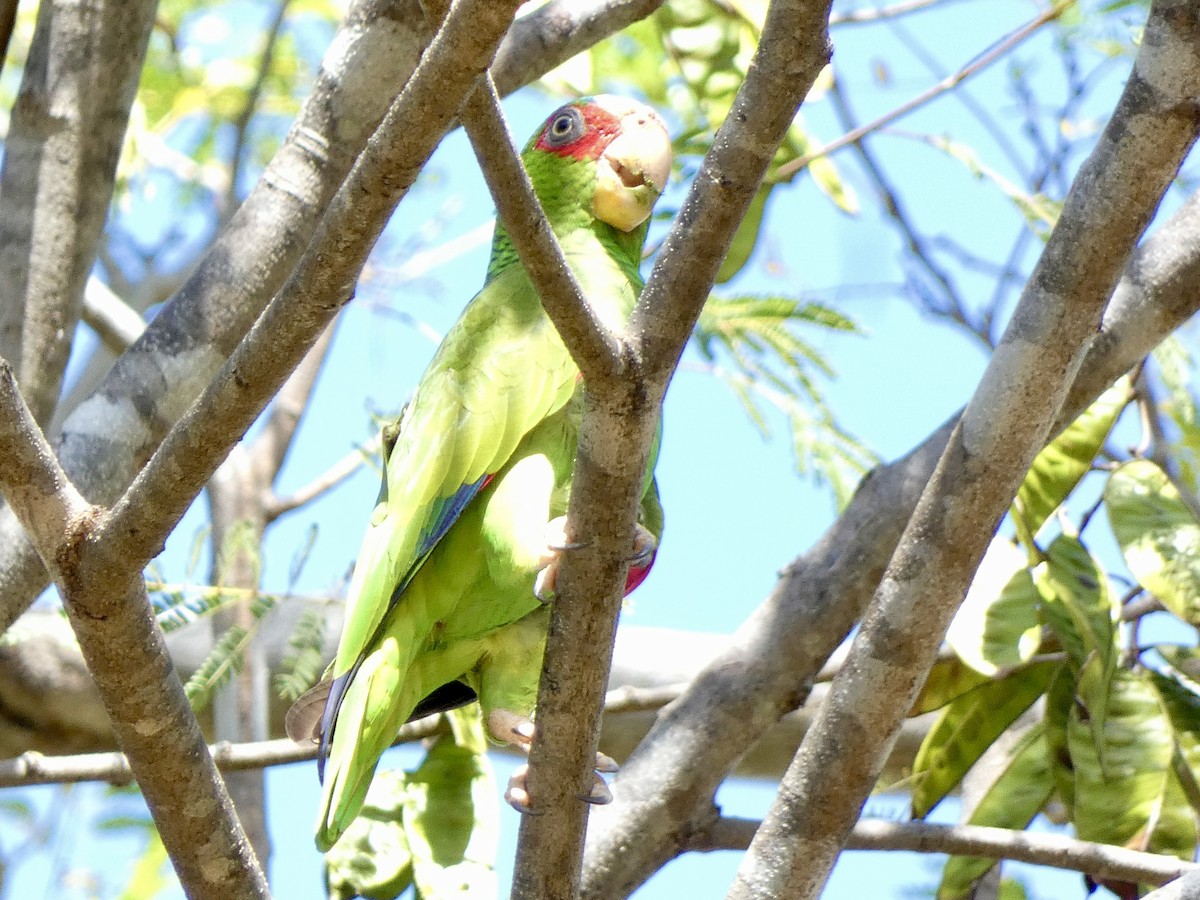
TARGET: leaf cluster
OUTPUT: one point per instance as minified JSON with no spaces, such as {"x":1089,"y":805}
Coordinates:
{"x":434,"y":829}
{"x":1081,"y":719}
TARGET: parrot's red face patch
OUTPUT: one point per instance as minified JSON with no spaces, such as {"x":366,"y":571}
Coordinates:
{"x":579,"y":131}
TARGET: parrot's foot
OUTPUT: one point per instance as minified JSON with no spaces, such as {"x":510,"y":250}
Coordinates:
{"x":518,"y":731}
{"x":644,"y":546}
{"x":556,"y":545}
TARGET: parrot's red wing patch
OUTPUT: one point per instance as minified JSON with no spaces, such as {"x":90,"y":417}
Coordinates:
{"x":600,"y":127}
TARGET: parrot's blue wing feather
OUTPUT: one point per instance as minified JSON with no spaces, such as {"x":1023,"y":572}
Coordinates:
{"x":444,"y":514}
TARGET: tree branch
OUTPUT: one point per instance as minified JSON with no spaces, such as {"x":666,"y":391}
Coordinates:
{"x":595,"y":350}
{"x":981,"y":62}
{"x":1055,"y":850}
{"x":619,"y":421}
{"x":111,"y":435}
{"x":321,"y":284}
{"x":667,"y":786}
{"x":128,"y":660}
{"x":32,"y":482}
{"x":1113,"y":199}
{"x":59,"y":167}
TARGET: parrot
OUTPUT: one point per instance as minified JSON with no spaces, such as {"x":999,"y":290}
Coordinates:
{"x":448,"y":599}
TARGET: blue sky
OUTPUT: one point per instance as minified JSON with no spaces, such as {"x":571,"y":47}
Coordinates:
{"x":736,"y":510}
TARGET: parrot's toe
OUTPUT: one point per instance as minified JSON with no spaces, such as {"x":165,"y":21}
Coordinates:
{"x":518,"y":797}
{"x":510,"y":727}
{"x":644,"y":545}
{"x":556,"y":545}
{"x":517,"y":793}
{"x":518,"y":730}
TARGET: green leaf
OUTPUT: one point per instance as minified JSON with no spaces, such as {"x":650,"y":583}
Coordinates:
{"x":967,"y":727}
{"x":149,"y":876}
{"x":372,"y":858}
{"x":947,"y":680}
{"x":1159,"y":536}
{"x":745,"y":238}
{"x":1063,"y":463}
{"x":304,"y":661}
{"x":1182,"y":703}
{"x":451,"y":822}
{"x":1135,"y":800}
{"x":997,"y":625}
{"x":1060,"y":699}
{"x":1076,"y":602}
{"x":1019,"y":792}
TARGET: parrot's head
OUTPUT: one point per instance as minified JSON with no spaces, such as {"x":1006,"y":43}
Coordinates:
{"x":623,"y":141}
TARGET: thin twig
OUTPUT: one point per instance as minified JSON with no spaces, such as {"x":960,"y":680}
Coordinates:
{"x":981,"y":62}
{"x":595,"y":350}
{"x":1055,"y":850}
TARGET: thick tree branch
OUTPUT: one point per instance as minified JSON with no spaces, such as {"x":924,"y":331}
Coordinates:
{"x":32,"y":482}
{"x":128,"y":660}
{"x":322,"y":283}
{"x":59,"y":168}
{"x":1055,"y":850}
{"x":666,"y":788}
{"x":111,"y":435}
{"x":619,"y":421}
{"x":1113,"y":199}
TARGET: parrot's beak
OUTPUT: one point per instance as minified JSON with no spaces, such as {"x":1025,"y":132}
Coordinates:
{"x":633,"y":170}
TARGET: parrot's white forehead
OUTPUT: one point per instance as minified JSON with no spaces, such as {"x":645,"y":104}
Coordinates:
{"x":624,"y":106}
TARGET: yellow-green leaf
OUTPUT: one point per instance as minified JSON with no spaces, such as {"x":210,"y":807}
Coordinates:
{"x":451,"y":823}
{"x":1063,"y":463}
{"x":1136,"y":799}
{"x":1076,"y":602}
{"x":967,"y":727}
{"x":1017,"y":795}
{"x":372,"y":859}
{"x":997,"y":625}
{"x":1159,"y":536}
{"x":948,"y":679}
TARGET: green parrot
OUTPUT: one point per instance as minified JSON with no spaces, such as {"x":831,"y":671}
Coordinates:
{"x":447,"y":601}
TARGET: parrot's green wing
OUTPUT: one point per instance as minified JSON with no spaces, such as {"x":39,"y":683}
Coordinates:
{"x":501,"y":370}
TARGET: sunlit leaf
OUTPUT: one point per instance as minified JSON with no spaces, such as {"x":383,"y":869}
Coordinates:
{"x":372,"y":859}
{"x":1063,"y":463}
{"x":1076,"y":601}
{"x":1020,"y":790}
{"x":1135,"y":800}
{"x":997,"y":625}
{"x":452,"y":823}
{"x":967,"y":727}
{"x":948,"y":679}
{"x":1159,"y":536}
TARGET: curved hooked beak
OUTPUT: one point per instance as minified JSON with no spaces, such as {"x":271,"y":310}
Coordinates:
{"x":633,"y":170}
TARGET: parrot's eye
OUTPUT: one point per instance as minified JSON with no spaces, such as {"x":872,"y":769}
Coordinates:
{"x":565,"y":126}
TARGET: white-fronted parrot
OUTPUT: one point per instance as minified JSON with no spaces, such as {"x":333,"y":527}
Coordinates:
{"x":447,"y":597}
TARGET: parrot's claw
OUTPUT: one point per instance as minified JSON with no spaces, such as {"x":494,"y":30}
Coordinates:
{"x":644,"y":545}
{"x":556,"y":545}
{"x":518,"y":731}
